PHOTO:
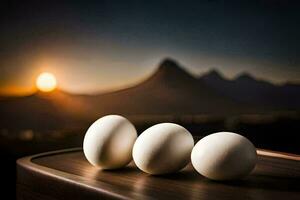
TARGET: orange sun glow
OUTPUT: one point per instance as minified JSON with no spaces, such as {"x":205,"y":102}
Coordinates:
{"x":46,"y":82}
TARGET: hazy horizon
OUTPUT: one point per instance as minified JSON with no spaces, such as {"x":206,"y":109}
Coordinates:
{"x":143,"y":77}
{"x":98,"y":46}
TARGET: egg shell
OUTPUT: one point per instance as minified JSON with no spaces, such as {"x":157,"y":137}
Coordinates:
{"x":163,"y":148}
{"x":109,"y":141}
{"x":224,"y":156}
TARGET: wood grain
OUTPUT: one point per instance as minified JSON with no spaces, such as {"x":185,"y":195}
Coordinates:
{"x":67,"y":175}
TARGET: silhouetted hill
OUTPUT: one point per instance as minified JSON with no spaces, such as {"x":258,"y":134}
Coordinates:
{"x":213,"y":76}
{"x":214,"y":79}
{"x":170,"y":90}
{"x":261,"y":94}
{"x":42,"y":111}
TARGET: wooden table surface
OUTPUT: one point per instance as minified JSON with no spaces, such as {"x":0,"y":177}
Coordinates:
{"x":66,"y":174}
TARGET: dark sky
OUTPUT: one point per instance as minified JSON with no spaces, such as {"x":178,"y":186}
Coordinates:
{"x":92,"y":46}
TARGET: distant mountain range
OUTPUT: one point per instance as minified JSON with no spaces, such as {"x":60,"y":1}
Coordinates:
{"x":170,"y":90}
{"x":261,"y":94}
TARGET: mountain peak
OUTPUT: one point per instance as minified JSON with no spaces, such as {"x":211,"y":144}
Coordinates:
{"x":169,"y":67}
{"x":170,"y":72}
{"x":169,"y":64}
{"x":213,"y":74}
{"x":245,"y":76}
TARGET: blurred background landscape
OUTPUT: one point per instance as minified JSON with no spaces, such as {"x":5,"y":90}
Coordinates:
{"x":207,"y":65}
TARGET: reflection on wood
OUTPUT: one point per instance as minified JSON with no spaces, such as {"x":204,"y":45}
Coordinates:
{"x":67,"y":175}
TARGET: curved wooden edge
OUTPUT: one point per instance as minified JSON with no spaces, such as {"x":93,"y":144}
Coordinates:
{"x":106,"y":190}
{"x":26,"y":163}
{"x":35,"y":156}
{"x":263,"y":152}
{"x":276,"y":154}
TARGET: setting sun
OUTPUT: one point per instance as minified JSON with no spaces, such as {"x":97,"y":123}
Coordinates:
{"x":46,"y":82}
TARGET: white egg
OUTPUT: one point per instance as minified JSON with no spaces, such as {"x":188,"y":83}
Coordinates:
{"x":224,"y":156}
{"x":163,"y":148}
{"x":109,"y":141}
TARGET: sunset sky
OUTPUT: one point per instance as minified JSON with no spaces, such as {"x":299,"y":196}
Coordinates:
{"x":92,"y":46}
